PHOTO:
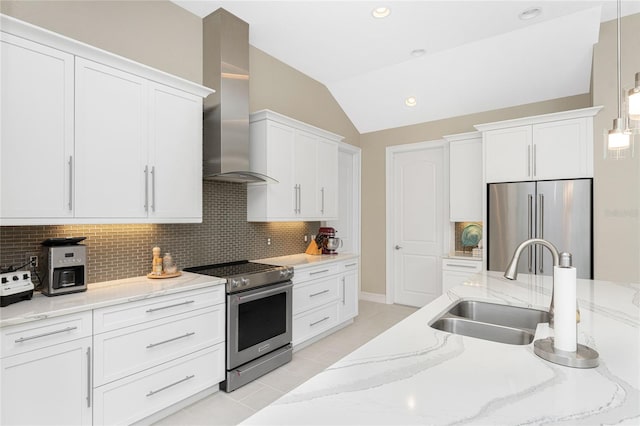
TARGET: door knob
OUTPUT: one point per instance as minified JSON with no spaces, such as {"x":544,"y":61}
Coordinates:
{"x":398,"y":247}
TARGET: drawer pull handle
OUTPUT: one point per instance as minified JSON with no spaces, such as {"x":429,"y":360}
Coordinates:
{"x":153,"y":392}
{"x":319,"y":293}
{"x":318,"y":322}
{"x":319,"y":272}
{"x":37,"y":336}
{"x":169,"y":306}
{"x":461,"y":266}
{"x":153,"y":345}
{"x":350,"y":265}
{"x":89,"y":370}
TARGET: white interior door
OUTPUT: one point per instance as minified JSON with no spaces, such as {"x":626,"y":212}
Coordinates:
{"x":416,"y":227}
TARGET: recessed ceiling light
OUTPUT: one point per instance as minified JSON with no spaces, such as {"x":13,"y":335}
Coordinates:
{"x":417,"y":52}
{"x":381,"y":12}
{"x":531,"y":13}
{"x":411,"y":101}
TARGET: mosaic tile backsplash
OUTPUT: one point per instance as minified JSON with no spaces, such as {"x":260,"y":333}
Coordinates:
{"x":123,"y":251}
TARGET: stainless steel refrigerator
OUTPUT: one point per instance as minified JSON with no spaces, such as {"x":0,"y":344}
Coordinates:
{"x":559,"y":211}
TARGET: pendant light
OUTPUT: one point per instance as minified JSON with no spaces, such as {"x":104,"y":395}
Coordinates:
{"x":618,"y":138}
{"x":633,"y":100}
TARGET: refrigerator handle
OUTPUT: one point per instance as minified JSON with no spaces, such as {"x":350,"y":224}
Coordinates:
{"x":530,"y":230}
{"x":541,"y":231}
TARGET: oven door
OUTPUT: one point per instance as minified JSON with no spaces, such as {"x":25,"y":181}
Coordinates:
{"x":258,"y":322}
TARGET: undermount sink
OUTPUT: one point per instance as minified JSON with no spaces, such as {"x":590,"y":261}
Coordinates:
{"x":491,"y":321}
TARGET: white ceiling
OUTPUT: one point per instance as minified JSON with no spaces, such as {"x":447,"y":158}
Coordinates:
{"x":479,"y":55}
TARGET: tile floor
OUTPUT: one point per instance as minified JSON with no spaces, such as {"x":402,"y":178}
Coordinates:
{"x":232,"y":408}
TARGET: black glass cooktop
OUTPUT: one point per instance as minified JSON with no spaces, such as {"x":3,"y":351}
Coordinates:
{"x":231,"y":269}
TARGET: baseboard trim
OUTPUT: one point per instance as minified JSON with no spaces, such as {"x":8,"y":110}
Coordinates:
{"x":373,"y":297}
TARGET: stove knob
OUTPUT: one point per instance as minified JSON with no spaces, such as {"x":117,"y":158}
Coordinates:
{"x":4,"y":280}
{"x":15,"y":278}
{"x":234,"y":283}
{"x":25,"y":276}
{"x":245,"y":282}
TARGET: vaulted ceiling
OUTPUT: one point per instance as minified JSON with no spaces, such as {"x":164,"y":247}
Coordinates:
{"x":453,"y":57}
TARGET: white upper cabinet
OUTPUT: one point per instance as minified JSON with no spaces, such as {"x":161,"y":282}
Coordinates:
{"x":111,"y":142}
{"x":92,"y":137}
{"x":304,"y":161}
{"x":465,"y":177}
{"x":37,"y":131}
{"x":551,"y":146}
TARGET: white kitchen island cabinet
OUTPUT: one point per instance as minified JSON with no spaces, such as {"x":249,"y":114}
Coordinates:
{"x":37,"y":131}
{"x":303,"y":159}
{"x":550,"y":146}
{"x":112,"y":140}
{"x":46,"y":372}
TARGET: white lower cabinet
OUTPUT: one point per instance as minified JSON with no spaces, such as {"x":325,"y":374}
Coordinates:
{"x":45,"y":372}
{"x":457,"y":271}
{"x":324,"y":297}
{"x":157,"y":352}
{"x":138,"y":396}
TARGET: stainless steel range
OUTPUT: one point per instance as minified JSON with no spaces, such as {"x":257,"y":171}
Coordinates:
{"x":259,"y":300}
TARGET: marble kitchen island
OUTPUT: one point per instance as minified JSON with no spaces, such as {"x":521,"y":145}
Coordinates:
{"x":414,"y":374}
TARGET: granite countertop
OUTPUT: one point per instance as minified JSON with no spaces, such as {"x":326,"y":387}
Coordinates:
{"x":102,"y":294}
{"x":302,"y":259}
{"x":414,"y":374}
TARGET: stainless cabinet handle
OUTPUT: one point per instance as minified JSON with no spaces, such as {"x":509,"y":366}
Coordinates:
{"x":153,"y":345}
{"x":350,"y":265}
{"x":530,"y":230}
{"x":70,"y":182}
{"x":541,"y":230}
{"x":534,"y":160}
{"x":344,"y":285}
{"x":153,"y":188}
{"x":146,"y":188}
{"x":89,"y":371}
{"x":319,"y":293}
{"x":170,"y":306}
{"x":318,"y":322}
{"x":398,"y":247}
{"x":322,"y":192}
{"x":319,"y":272}
{"x":460,"y":266}
{"x":24,"y":339}
{"x":529,"y":160}
{"x":295,"y":206}
{"x":153,"y":392}
{"x":299,"y":198}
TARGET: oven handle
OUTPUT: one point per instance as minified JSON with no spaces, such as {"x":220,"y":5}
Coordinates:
{"x":265,"y":293}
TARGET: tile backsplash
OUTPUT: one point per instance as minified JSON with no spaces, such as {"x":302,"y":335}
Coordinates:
{"x":123,"y":251}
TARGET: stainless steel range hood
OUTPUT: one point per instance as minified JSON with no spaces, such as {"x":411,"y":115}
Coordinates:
{"x":226,"y":112}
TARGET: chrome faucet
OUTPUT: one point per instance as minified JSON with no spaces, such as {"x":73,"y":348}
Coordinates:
{"x":559,"y":259}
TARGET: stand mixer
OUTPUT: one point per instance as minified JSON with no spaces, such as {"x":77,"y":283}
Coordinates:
{"x":327,"y":239}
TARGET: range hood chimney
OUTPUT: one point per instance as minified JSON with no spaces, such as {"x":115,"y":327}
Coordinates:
{"x":226,"y":112}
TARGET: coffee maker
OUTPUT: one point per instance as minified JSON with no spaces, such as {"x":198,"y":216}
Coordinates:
{"x":328,"y":240}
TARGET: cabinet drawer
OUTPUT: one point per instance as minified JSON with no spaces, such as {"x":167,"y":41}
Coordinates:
{"x":136,"y":397}
{"x":39,"y":334}
{"x":348,"y":265}
{"x":310,"y":324}
{"x":126,"y":351}
{"x":132,"y":313}
{"x":470,"y":266}
{"x":314,"y":293}
{"x":306,"y":274}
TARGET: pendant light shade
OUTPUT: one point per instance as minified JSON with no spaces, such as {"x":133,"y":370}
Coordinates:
{"x":634,"y":100}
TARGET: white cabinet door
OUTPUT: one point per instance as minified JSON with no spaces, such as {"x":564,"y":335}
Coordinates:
{"x":36,"y":131}
{"x":465,"y":180}
{"x":111,"y":143}
{"x":456,"y":272}
{"x":327,"y":177}
{"x":562,"y":150}
{"x":175,"y":141}
{"x":304,"y":165}
{"x":348,"y":303}
{"x":49,"y":386}
{"x":507,"y":154}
